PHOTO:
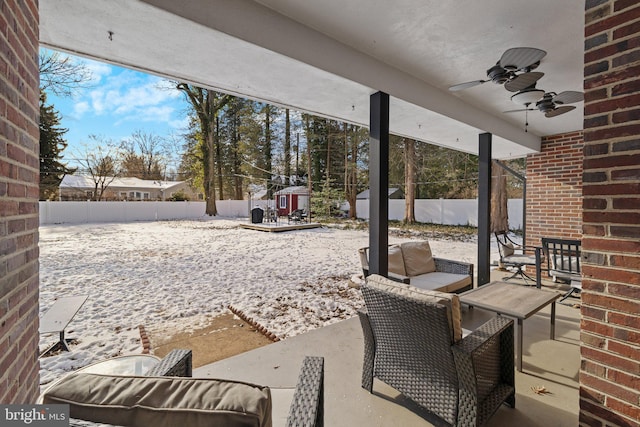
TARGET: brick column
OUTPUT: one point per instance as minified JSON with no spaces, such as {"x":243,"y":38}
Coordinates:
{"x":610,"y":337}
{"x":554,"y":189}
{"x":19,"y":166}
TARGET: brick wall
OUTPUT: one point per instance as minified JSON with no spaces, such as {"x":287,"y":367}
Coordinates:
{"x":610,"y":351}
{"x":19,"y":166}
{"x":554,"y":189}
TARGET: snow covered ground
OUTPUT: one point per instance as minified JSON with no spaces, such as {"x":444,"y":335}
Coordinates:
{"x":176,"y":275}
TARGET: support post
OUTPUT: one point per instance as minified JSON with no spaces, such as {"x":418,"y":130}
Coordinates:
{"x":378,"y":183}
{"x":484,"y":208}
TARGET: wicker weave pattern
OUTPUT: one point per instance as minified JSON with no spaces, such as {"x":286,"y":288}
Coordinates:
{"x":409,"y":347}
{"x":307,"y":404}
{"x":175,"y":364}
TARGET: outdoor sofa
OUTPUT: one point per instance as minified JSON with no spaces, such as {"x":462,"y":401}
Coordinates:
{"x":167,"y":396}
{"x":413,"y":341}
{"x":413,"y":263}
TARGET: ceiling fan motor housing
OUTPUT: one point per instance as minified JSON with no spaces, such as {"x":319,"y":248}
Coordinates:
{"x":498,"y":75}
{"x":546,"y":103}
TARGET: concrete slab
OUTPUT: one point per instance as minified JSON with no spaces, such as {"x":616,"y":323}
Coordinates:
{"x":551,"y":364}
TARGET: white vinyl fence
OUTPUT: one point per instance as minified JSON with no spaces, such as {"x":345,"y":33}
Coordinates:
{"x":444,"y":211}
{"x":90,"y":212}
{"x":440,"y":211}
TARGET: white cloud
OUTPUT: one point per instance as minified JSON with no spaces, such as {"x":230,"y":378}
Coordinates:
{"x":80,"y":108}
{"x":130,"y":96}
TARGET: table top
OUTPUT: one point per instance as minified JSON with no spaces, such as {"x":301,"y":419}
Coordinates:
{"x":60,"y":314}
{"x":137,"y":364}
{"x":512,"y":300}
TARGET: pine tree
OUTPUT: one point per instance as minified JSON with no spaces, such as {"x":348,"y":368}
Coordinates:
{"x":52,"y":144}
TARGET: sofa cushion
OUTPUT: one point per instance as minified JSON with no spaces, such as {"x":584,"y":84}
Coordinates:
{"x":442,"y":282}
{"x":396,"y":263}
{"x":162,"y":401}
{"x":451,"y":301}
{"x":417,"y":258}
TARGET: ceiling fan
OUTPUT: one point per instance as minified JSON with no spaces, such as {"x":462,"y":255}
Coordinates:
{"x":513,"y":70}
{"x":550,"y":103}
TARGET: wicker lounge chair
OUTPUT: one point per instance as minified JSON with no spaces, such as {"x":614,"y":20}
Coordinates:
{"x":410,"y":345}
{"x":306,"y":408}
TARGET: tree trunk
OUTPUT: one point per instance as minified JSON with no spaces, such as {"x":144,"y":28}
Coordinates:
{"x":211,"y":208}
{"x":218,"y":158}
{"x":267,"y":150}
{"x":409,"y":180}
{"x":287,"y":148}
{"x":353,"y":176}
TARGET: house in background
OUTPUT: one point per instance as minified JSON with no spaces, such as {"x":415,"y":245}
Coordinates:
{"x":291,"y":198}
{"x":394,"y":193}
{"x":77,"y":187}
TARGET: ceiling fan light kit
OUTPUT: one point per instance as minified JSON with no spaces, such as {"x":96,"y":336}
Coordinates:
{"x":527,"y":96}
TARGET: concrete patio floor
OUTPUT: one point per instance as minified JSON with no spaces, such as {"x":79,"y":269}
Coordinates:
{"x":553,"y":365}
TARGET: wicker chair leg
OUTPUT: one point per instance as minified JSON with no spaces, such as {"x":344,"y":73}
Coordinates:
{"x":369,"y":352}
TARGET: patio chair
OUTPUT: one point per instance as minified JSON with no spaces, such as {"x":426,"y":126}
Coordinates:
{"x":167,"y":397}
{"x":509,"y":257}
{"x":413,"y":342}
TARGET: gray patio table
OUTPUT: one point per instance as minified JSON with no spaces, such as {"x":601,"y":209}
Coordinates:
{"x":517,"y":301}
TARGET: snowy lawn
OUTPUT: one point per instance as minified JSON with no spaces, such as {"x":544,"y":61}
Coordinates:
{"x":175,"y":276}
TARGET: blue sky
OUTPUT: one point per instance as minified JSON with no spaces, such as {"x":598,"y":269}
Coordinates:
{"x":117,"y":102}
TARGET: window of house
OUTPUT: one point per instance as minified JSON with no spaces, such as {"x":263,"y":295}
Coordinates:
{"x":146,"y":196}
{"x":283,"y":202}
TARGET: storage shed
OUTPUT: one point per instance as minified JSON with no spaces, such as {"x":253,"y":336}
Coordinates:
{"x":291,"y":198}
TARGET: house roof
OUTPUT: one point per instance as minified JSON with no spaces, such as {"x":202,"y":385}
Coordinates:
{"x":365,"y":193}
{"x":327,"y":57}
{"x":86,"y":182}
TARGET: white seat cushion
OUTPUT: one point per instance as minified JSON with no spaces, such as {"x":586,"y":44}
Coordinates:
{"x":442,"y":282}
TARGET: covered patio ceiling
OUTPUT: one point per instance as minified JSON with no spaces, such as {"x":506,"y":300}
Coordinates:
{"x":327,"y":57}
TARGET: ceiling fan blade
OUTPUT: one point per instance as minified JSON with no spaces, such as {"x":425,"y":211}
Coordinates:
{"x":568,"y":97}
{"x":519,"y":111}
{"x":559,"y":110}
{"x":523,"y":81}
{"x":466,"y":85}
{"x":518,"y":58}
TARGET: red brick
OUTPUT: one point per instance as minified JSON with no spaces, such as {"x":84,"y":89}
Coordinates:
{"x":618,"y":304}
{"x":608,"y":388}
{"x":631,"y":411}
{"x":612,"y":22}
{"x":611,"y":360}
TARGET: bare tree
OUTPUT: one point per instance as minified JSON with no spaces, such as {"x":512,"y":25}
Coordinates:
{"x":61,"y":75}
{"x":101,"y":163}
{"x":207,"y":104}
{"x":144,"y":155}
{"x":409,"y":180}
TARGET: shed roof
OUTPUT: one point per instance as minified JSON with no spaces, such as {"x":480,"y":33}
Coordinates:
{"x":298,"y":189}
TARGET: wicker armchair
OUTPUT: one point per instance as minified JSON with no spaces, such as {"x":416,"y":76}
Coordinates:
{"x":306,"y":408}
{"x":409,"y":345}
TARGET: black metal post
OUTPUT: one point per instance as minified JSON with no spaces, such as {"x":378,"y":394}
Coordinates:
{"x":484,"y":208}
{"x":378,"y":183}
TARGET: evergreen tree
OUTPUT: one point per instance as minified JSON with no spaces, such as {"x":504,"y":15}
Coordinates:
{"x":52,"y":144}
